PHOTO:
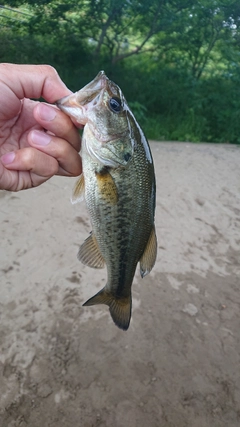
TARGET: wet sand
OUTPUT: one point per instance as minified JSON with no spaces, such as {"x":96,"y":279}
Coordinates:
{"x":178,"y":365}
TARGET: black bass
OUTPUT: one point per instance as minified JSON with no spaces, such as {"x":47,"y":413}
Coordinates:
{"x":118,"y":183}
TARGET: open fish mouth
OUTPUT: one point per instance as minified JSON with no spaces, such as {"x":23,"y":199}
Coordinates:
{"x":92,"y":89}
{"x":78,"y":104}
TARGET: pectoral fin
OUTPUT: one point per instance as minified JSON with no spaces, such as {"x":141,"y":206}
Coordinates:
{"x":89,"y":253}
{"x":107,"y":187}
{"x":78,"y":190}
{"x":120,"y":308}
{"x":149,"y":256}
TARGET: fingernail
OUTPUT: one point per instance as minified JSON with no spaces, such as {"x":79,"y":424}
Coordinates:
{"x":46,"y":113}
{"x":40,"y":138}
{"x":8,"y":158}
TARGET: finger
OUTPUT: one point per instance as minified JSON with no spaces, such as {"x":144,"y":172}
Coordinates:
{"x":55,"y":121}
{"x":66,"y":156}
{"x":33,"y":81}
{"x":12,"y":180}
{"x":32,"y":160}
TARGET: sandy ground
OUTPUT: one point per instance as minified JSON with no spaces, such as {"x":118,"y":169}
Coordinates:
{"x":64,"y":365}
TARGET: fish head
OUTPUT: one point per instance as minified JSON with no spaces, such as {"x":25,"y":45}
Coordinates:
{"x":102,"y":108}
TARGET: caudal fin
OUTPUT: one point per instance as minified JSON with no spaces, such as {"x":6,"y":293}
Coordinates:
{"x":120,"y":308}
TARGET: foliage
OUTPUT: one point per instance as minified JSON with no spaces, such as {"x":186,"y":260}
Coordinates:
{"x":176,"y":62}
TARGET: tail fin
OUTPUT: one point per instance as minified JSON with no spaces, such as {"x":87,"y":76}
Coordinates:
{"x":120,"y":308}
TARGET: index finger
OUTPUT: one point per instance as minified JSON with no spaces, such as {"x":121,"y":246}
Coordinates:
{"x":33,"y":81}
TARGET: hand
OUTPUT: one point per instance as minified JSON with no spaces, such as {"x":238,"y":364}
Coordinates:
{"x":37,"y":140}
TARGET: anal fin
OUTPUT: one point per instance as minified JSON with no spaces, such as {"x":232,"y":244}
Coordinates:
{"x":89,"y":253}
{"x":149,"y":256}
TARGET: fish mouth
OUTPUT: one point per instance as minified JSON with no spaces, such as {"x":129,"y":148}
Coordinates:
{"x":78,"y":104}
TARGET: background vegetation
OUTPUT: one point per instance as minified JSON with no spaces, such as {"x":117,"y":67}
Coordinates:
{"x":177,"y":62}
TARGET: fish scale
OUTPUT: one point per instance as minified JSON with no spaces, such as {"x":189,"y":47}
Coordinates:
{"x":118,"y":183}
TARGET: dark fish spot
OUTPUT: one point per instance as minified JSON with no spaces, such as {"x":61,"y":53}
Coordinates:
{"x":103,"y":170}
{"x":127,"y":157}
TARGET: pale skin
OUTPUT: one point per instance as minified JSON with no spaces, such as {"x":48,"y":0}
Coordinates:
{"x":37,"y":140}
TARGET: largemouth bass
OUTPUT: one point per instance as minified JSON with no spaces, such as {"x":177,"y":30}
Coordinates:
{"x":118,"y":183}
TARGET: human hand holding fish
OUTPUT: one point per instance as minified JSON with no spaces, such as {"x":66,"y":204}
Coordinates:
{"x":118,"y":181}
{"x":37,"y":140}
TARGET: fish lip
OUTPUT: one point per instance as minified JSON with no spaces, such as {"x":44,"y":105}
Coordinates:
{"x":71,"y":101}
{"x":86,"y":94}
{"x":83,"y":100}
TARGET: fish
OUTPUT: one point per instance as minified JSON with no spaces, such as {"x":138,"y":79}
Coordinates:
{"x":119,"y":188}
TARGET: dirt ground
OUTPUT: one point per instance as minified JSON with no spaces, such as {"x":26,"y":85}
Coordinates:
{"x":178,"y":365}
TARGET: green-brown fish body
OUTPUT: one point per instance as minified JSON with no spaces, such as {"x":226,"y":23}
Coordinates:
{"x":118,"y":182}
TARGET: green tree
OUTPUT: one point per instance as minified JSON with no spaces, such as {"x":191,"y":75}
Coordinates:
{"x":177,"y":62}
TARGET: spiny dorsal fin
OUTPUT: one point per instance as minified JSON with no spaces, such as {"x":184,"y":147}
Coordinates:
{"x":120,"y":308}
{"x":89,"y":253}
{"x":78,"y":190}
{"x":149,"y":256}
{"x":107,"y":186}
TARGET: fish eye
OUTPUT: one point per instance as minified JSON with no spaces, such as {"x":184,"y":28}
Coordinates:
{"x":115,"y":104}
